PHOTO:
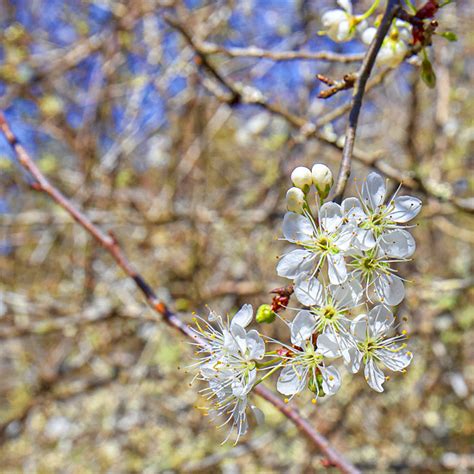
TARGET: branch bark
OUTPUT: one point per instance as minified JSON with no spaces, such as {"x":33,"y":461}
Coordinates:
{"x":358,"y":95}
{"x":110,"y":244}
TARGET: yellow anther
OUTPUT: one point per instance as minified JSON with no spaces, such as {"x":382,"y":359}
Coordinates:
{"x":387,"y":378}
{"x":404,"y":371}
{"x":313,"y":401}
{"x":286,"y":400}
{"x":404,"y":332}
{"x":409,"y":353}
{"x":331,"y":377}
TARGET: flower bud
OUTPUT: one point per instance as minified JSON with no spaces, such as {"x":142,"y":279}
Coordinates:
{"x":322,"y":179}
{"x":265,"y":314}
{"x":295,"y":200}
{"x":302,"y":178}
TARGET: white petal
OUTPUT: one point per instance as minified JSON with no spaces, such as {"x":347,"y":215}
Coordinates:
{"x":230,"y":343}
{"x":380,"y":320}
{"x":354,"y":360}
{"x":309,"y":291}
{"x":364,"y":239}
{"x":243,"y":317}
{"x":345,"y":5}
{"x":331,"y":380}
{"x":256,"y":345}
{"x":291,"y":380}
{"x":373,"y":191}
{"x":406,"y":208}
{"x":374,"y":376}
{"x":330,"y":216}
{"x":297,"y":228}
{"x":337,"y":270}
{"x":332,"y":18}
{"x":347,"y":295}
{"x":258,"y":414}
{"x":344,"y":31}
{"x":396,"y":359}
{"x":352,"y":210}
{"x":240,"y":389}
{"x":302,"y":328}
{"x":345,"y":237}
{"x":359,"y":327}
{"x":240,"y":337}
{"x":328,"y":345}
{"x":295,"y":263}
{"x":368,"y":35}
{"x":398,"y":243}
{"x":390,"y":289}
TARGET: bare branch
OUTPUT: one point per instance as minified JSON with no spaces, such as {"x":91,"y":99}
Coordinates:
{"x":358,"y":95}
{"x":253,"y":52}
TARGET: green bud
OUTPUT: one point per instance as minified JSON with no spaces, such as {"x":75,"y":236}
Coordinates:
{"x":265,"y":314}
{"x":427,"y":73}
{"x":450,"y":36}
{"x":316,"y":385}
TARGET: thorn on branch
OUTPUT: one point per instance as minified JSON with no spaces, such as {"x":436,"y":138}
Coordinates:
{"x":347,"y":82}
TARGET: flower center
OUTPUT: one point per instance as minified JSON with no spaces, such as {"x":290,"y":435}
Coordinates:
{"x":329,"y":312}
{"x":323,"y":244}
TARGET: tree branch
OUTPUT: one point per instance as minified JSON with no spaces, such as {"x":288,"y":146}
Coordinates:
{"x":111,"y":245}
{"x":358,"y":95}
{"x":253,"y":52}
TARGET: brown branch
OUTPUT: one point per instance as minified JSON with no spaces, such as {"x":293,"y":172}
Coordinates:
{"x":347,"y":82}
{"x":253,"y":52}
{"x":358,"y":95}
{"x":111,"y":245}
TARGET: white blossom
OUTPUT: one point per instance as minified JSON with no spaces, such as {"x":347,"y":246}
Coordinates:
{"x":394,"y":47}
{"x":371,"y":217}
{"x":339,"y":24}
{"x":376,"y":347}
{"x":325,"y":241}
{"x":228,"y":355}
{"x":373,"y":269}
{"x":328,"y":314}
{"x":304,"y":366}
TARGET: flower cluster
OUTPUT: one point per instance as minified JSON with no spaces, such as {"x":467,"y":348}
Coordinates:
{"x":341,"y":271}
{"x":413,"y":33}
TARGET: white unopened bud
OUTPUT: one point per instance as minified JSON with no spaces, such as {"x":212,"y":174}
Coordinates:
{"x":302,"y":178}
{"x":295,"y":200}
{"x":322,"y":179}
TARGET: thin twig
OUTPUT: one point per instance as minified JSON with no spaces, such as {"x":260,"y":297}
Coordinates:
{"x":254,"y":52}
{"x":357,"y":97}
{"x":111,"y":245}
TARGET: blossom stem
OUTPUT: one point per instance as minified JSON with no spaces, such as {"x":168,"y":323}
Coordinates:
{"x":369,"y":12}
{"x":270,"y":372}
{"x":261,"y":365}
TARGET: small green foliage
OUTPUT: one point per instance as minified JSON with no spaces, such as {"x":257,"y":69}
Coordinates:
{"x":427,"y":73}
{"x":449,"y":35}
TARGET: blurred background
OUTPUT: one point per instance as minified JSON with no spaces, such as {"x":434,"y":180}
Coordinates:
{"x":146,"y":117}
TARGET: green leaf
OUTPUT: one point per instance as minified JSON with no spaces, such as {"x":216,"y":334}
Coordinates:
{"x":427,"y":73}
{"x":449,"y":35}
